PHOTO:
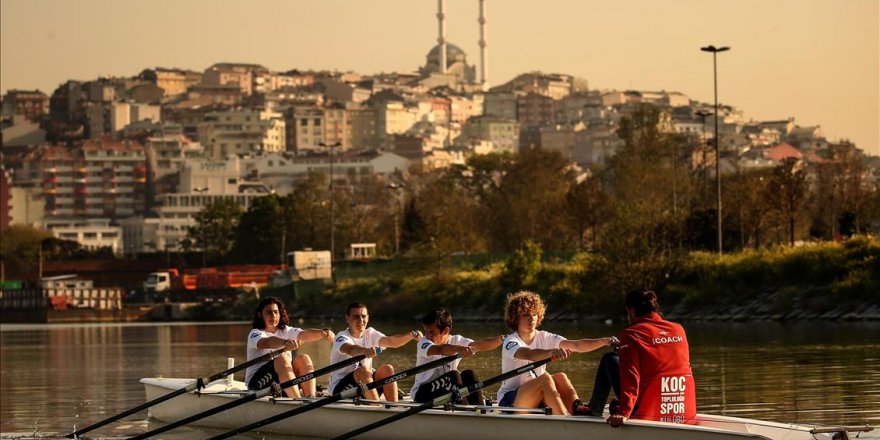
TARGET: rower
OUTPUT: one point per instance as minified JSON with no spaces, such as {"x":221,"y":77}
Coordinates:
{"x":359,"y":339}
{"x":438,"y":342}
{"x":523,"y":313}
{"x":271,"y":330}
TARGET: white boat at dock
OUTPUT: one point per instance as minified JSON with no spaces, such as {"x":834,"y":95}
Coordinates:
{"x":460,"y":422}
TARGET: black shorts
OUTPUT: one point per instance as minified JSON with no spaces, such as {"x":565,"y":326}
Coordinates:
{"x":447,"y":383}
{"x":348,"y":382}
{"x":264,"y":377}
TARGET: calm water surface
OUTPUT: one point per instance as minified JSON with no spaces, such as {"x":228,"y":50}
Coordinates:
{"x":55,"y":377}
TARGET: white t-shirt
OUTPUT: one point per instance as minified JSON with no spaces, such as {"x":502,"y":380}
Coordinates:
{"x":543,"y":340}
{"x":423,"y":358}
{"x":369,"y":339}
{"x":253,"y":352}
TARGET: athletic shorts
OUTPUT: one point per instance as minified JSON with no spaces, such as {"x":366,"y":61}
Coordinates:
{"x":264,"y":377}
{"x":508,"y":398}
{"x":348,"y":382}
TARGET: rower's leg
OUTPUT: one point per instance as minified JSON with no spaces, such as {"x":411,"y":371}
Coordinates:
{"x":302,"y":364}
{"x":364,"y":376}
{"x":390,"y":390}
{"x":285,"y":373}
{"x":607,"y":379}
{"x":468,"y":378}
{"x":566,"y":390}
{"x":539,"y":390}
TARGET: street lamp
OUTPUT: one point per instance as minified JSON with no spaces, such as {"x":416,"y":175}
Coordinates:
{"x":704,"y":146}
{"x":714,"y":50}
{"x":332,"y":224}
{"x":398,"y":187}
{"x":202,"y":237}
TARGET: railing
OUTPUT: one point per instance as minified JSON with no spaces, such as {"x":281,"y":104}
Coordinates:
{"x":62,"y":299}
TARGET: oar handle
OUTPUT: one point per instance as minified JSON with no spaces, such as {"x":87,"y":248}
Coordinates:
{"x":443,"y":399}
{"x":347,"y":394}
{"x":196,"y":384}
{"x":245,"y":399}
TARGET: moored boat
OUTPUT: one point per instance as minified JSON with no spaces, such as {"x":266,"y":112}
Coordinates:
{"x":458,"y":422}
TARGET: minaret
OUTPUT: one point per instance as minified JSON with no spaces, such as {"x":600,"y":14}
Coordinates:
{"x":484,"y":54}
{"x":441,"y":40}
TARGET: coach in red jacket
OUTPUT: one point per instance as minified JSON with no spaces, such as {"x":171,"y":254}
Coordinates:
{"x":654,"y":380}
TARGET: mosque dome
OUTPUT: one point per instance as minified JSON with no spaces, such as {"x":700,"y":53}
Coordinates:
{"x":453,"y":54}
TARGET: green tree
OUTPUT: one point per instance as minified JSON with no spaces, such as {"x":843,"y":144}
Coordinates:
{"x":214,"y":231}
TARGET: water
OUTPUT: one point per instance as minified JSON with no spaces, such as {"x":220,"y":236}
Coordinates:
{"x":55,"y":377}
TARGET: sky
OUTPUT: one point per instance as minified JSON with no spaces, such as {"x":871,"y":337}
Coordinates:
{"x":815,"y":60}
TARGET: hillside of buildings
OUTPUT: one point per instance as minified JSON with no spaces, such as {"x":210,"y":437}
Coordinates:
{"x":240,"y":164}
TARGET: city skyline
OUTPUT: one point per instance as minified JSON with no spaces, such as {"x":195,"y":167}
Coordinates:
{"x":816,"y":61}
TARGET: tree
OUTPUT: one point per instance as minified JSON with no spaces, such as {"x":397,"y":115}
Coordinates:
{"x":787,"y":192}
{"x":529,"y":202}
{"x":448,"y":215}
{"x":214,"y":231}
{"x":260,"y":234}
{"x":20,"y":251}
{"x":587,"y":206}
{"x":643,"y":239}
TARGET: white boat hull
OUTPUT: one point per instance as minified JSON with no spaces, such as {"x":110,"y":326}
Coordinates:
{"x":338,"y":418}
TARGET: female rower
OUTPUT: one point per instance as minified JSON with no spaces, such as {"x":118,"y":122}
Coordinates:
{"x":523,"y":314}
{"x":270,"y":331}
{"x":651,"y":371}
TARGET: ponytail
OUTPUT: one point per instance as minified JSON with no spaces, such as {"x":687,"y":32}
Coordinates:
{"x":642,"y":302}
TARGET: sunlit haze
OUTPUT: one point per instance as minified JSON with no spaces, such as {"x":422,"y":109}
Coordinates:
{"x":817,"y":61}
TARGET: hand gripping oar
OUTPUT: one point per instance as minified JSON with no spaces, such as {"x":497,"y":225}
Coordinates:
{"x":347,"y":394}
{"x":442,"y":400}
{"x":192,"y":386}
{"x":250,"y":397}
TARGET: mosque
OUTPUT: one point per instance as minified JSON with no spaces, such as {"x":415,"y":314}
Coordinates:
{"x":446,"y":64}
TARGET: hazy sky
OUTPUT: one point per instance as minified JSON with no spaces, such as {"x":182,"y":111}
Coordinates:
{"x":815,"y":60}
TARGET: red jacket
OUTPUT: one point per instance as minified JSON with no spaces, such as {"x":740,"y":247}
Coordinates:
{"x":655,"y":372}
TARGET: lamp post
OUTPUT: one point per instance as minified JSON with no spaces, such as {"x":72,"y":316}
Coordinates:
{"x":714,"y":50}
{"x":704,"y":146}
{"x":332,"y":224}
{"x":397,"y":187}
{"x":202,"y":237}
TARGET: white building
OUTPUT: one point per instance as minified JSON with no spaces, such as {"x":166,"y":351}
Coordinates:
{"x":91,"y":234}
{"x":242,"y":131}
{"x":281,"y":173}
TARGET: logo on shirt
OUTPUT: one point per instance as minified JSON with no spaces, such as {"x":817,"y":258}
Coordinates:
{"x":255,"y":335}
{"x":425,"y":345}
{"x":340,"y":338}
{"x":510,"y":345}
{"x":668,"y":340}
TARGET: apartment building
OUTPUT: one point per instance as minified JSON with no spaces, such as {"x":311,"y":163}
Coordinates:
{"x":242,"y":131}
{"x":100,"y":178}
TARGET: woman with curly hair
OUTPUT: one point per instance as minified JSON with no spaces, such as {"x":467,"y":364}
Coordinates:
{"x":270,"y":331}
{"x":523,"y":314}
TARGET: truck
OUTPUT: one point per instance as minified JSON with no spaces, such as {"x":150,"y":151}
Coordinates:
{"x":207,"y":283}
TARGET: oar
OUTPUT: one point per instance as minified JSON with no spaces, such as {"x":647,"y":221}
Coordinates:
{"x":250,"y":397}
{"x":192,"y":386}
{"x":346,"y":394}
{"x":442,"y":400}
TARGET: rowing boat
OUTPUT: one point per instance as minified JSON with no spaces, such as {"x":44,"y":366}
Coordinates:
{"x":450,"y":422}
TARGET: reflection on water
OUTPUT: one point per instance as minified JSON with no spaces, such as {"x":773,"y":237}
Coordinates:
{"x":53,"y":378}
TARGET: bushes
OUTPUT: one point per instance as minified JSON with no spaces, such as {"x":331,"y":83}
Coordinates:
{"x":819,"y":275}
